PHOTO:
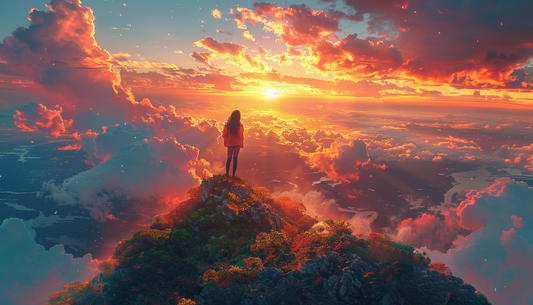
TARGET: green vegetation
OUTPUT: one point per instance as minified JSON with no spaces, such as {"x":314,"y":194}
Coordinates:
{"x":231,"y":242}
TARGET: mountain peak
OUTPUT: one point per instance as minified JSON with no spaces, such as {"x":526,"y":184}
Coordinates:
{"x":231,"y":243}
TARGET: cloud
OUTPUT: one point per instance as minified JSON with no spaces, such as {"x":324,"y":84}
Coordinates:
{"x":300,"y":26}
{"x":36,"y":117}
{"x":216,"y":14}
{"x":471,"y":44}
{"x":427,"y":231}
{"x":179,"y":78}
{"x":29,"y":272}
{"x":342,"y":160}
{"x":233,"y":51}
{"x":75,"y":147}
{"x":297,"y":25}
{"x":467,"y":45}
{"x":224,"y":32}
{"x":133,"y":166}
{"x":317,"y":205}
{"x":121,"y":56}
{"x":58,"y":52}
{"x":369,"y":57}
{"x":248,"y":36}
{"x":218,"y":80}
{"x":212,"y":45}
{"x":497,"y":256}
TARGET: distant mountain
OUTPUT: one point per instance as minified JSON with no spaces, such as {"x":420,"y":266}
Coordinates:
{"x":231,"y":243}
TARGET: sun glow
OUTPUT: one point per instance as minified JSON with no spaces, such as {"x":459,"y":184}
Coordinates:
{"x":270,"y":92}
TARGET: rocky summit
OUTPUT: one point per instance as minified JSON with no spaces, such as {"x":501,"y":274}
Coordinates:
{"x":231,"y":243}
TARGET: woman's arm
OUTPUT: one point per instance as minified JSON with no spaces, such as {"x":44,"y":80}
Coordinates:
{"x":241,"y":135}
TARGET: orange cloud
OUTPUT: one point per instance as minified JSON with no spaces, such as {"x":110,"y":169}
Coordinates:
{"x":229,"y":50}
{"x":75,"y":147}
{"x":248,"y":36}
{"x":476,"y":55}
{"x":121,"y":56}
{"x":36,"y":117}
{"x":216,"y":14}
{"x":296,"y":26}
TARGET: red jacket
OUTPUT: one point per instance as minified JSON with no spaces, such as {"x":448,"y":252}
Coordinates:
{"x":231,"y":140}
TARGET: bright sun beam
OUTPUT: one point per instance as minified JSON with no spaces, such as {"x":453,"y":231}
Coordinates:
{"x":270,"y":92}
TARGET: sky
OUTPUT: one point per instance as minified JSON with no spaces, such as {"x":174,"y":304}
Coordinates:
{"x":341,"y":100}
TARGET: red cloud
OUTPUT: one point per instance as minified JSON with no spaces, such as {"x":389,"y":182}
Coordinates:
{"x":111,"y":217}
{"x":460,"y":43}
{"x":301,"y":26}
{"x":361,"y":57}
{"x":75,"y":147}
{"x":428,"y":231}
{"x":36,"y":117}
{"x":297,"y":25}
{"x":464,"y":44}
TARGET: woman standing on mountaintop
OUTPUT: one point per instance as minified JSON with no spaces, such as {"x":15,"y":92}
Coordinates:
{"x":233,"y":139}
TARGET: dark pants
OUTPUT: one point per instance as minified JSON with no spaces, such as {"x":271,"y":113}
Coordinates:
{"x":233,"y":151}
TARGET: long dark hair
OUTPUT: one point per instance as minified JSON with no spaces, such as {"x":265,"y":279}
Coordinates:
{"x":234,"y":122}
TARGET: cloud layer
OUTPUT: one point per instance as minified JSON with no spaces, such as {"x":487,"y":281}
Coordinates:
{"x":137,"y":149}
{"x":496,"y":257}
{"x":29,"y":272}
{"x":471,"y":44}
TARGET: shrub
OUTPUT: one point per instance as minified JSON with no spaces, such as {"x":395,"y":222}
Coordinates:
{"x":227,"y":274}
{"x":140,"y":242}
{"x":75,"y":292}
{"x":440,"y":267}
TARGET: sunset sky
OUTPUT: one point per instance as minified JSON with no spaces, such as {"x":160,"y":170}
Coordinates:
{"x":371,"y":111}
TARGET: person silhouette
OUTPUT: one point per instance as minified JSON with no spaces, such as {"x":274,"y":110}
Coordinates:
{"x":233,"y":135}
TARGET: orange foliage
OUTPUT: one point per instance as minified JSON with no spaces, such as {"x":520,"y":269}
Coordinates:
{"x":70,"y":294}
{"x":440,"y":267}
{"x":290,"y":230}
{"x":228,"y":275}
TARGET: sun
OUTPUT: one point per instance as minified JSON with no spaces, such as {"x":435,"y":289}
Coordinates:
{"x":270,"y":92}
